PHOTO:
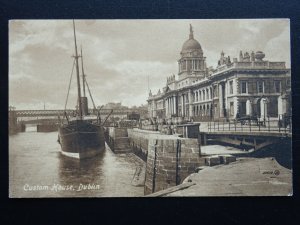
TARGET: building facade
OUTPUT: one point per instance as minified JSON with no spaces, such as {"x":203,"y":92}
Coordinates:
{"x":244,"y":86}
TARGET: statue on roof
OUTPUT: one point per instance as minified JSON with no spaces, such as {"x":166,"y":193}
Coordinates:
{"x":191,"y":32}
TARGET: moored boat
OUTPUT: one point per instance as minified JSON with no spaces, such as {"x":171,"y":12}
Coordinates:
{"x":81,"y":137}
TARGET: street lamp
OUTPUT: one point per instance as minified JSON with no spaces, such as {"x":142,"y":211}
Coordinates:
{"x":265,"y":102}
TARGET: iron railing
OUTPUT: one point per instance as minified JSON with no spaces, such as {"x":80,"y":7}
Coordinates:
{"x":250,"y":125}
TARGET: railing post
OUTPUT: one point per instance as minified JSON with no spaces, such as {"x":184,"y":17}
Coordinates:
{"x":214,"y":125}
{"x":234,"y":125}
{"x":250,"y":124}
{"x":279,"y":124}
{"x":208,"y":126}
{"x":269,"y":123}
{"x":290,"y":125}
{"x":223,"y":124}
{"x":229,"y":125}
{"x":218,"y":125}
{"x":258,"y":124}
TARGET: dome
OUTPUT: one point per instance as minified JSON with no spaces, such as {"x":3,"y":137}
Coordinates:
{"x":191,"y":44}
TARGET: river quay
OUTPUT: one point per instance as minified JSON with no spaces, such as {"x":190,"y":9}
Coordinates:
{"x":245,"y":177}
{"x":176,"y":166}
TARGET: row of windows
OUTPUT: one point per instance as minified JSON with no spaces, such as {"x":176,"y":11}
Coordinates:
{"x":260,"y":87}
{"x":201,"y":110}
{"x":202,"y":95}
{"x":190,"y":65}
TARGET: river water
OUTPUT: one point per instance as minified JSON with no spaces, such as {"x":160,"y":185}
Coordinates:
{"x":38,"y":169}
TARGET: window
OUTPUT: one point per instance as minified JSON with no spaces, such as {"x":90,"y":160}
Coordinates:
{"x":288,"y":82}
{"x":184,"y":65}
{"x":242,"y":108}
{"x":231,"y":109}
{"x":244,"y":87}
{"x":207,"y":94}
{"x":215,"y":91}
{"x":277,"y":86}
{"x":200,"y":96}
{"x":203,"y":94}
{"x":231,"y":87}
{"x":260,"y":87}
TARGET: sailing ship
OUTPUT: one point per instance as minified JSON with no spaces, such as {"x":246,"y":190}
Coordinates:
{"x":81,"y":137}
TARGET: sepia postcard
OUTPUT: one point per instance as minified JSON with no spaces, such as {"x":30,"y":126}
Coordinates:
{"x":150,"y":108}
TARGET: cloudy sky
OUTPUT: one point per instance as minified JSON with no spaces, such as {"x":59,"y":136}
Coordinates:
{"x":119,"y":55}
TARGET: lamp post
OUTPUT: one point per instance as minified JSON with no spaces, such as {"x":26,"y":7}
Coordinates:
{"x":265,"y":102}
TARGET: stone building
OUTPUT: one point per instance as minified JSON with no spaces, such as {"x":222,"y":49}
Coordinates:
{"x":247,"y":85}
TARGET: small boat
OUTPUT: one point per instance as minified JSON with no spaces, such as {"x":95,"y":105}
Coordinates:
{"x":81,"y":137}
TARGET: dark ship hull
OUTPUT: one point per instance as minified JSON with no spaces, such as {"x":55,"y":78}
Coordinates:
{"x":81,"y":139}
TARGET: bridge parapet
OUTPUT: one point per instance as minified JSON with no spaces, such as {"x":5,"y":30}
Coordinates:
{"x":54,"y":112}
{"x":268,"y":128}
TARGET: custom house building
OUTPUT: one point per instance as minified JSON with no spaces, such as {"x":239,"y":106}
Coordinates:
{"x":238,"y":87}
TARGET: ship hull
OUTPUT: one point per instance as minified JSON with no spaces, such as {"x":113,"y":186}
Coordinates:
{"x":81,"y":139}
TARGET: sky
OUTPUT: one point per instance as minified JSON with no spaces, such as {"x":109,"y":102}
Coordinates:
{"x":123,"y":58}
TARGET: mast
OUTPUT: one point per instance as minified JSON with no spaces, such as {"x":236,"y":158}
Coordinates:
{"x":77,"y":73}
{"x":83,"y":75}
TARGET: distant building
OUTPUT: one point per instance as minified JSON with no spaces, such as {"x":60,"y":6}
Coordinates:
{"x":114,"y":105}
{"x":247,"y":85}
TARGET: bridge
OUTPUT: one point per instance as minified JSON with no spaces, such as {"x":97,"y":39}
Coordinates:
{"x":18,"y":118}
{"x":246,"y":135}
{"x":60,"y":112}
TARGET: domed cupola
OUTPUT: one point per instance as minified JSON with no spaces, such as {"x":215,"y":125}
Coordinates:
{"x":192,"y":62}
{"x":191,"y":46}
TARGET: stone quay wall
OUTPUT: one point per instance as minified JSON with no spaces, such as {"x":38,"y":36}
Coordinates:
{"x":169,"y":159}
{"x":169,"y":162}
{"x":117,"y":139}
{"x":139,"y":141}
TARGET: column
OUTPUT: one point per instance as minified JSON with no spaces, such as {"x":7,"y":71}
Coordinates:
{"x":174,"y":105}
{"x":169,"y":107}
{"x":166,"y":105}
{"x":182,"y":103}
{"x":190,"y":103}
{"x":171,"y":110}
{"x":221,"y":100}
